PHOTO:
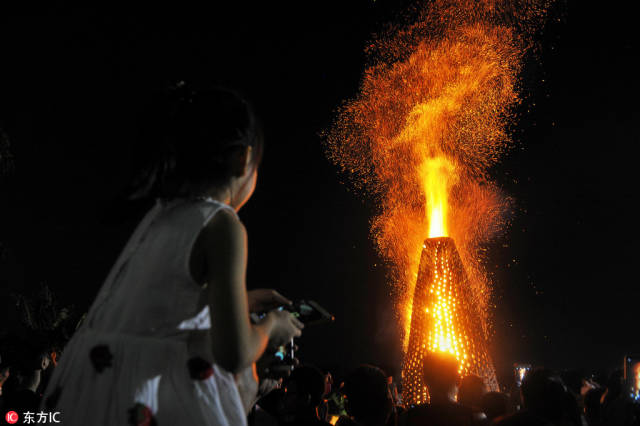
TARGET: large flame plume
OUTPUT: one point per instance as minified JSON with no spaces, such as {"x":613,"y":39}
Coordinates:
{"x":431,"y":118}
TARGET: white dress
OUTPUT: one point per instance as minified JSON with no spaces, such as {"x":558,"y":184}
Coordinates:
{"x":143,"y":353}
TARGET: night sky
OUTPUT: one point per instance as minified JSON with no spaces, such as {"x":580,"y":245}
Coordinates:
{"x":565,"y":275}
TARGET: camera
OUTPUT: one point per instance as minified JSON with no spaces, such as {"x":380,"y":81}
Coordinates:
{"x":282,"y":361}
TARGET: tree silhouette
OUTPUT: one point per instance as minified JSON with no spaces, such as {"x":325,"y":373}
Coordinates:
{"x":46,"y":322}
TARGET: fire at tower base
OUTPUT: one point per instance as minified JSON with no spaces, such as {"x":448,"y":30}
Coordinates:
{"x":444,"y":318}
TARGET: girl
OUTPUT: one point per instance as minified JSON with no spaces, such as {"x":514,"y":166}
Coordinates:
{"x":170,"y":326}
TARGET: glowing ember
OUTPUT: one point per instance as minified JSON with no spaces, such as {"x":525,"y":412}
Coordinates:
{"x":430,"y":119}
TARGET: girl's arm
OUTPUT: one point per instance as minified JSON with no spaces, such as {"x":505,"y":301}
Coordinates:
{"x":248,"y":383}
{"x":236,"y":342}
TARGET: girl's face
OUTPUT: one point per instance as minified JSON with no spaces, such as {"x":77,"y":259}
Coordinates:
{"x":242,"y":186}
{"x":246,"y":184}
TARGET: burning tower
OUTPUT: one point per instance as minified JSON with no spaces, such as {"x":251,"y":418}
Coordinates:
{"x":444,"y":318}
{"x":430,"y":120}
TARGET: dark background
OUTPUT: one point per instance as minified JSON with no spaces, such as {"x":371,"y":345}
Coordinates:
{"x":564,"y":272}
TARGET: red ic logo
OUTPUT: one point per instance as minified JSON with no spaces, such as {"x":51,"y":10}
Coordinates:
{"x":11,"y":417}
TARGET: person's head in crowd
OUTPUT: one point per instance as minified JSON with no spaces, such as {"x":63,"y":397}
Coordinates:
{"x":470,"y":391}
{"x":593,"y":406}
{"x":20,"y":390}
{"x":615,"y":386}
{"x":198,"y":143}
{"x":618,"y":408}
{"x":544,"y":394}
{"x":395,"y":394}
{"x":26,"y":369}
{"x":494,"y":404}
{"x":440,"y":373}
{"x":367,"y":397}
{"x":570,"y":410}
{"x":573,"y":380}
{"x":303,"y":393}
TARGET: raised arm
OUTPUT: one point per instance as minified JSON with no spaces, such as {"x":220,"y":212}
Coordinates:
{"x":236,"y":342}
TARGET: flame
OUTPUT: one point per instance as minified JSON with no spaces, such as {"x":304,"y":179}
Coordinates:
{"x":437,"y":175}
{"x":429,"y":121}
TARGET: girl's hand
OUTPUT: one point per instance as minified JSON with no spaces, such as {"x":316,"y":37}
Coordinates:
{"x":264,"y":299}
{"x":285,"y":327}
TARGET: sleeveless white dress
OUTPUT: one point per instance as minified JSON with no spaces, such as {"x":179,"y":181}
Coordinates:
{"x":143,"y":355}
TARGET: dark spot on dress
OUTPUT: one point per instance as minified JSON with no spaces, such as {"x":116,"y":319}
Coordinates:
{"x":101,"y":357}
{"x":141,"y":415}
{"x":199,"y":369}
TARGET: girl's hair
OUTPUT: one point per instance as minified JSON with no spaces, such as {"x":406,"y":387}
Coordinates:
{"x":188,"y":138}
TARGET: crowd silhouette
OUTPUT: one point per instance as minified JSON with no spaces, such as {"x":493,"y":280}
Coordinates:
{"x":367,"y":396}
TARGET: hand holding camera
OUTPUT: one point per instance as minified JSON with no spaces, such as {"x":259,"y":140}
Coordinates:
{"x":265,"y":299}
{"x":285,"y":327}
{"x":287,"y":321}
